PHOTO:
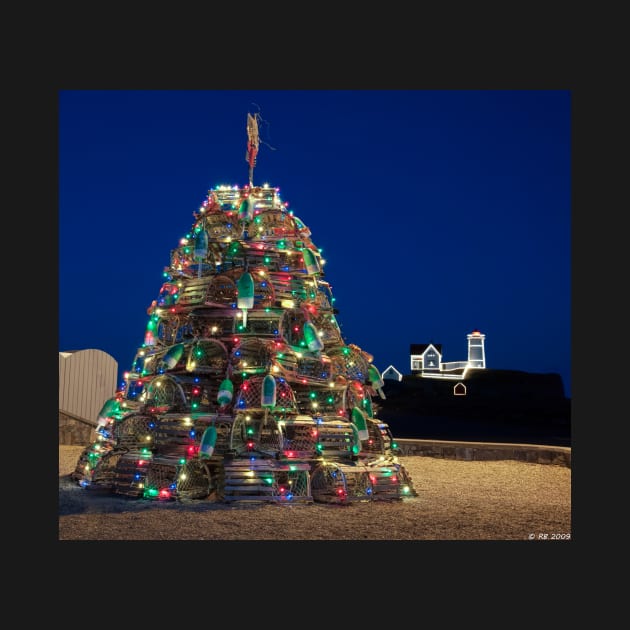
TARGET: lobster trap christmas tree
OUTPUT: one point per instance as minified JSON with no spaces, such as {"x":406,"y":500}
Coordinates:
{"x":244,"y":388}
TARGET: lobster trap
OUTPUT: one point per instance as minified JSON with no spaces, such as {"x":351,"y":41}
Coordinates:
{"x":349,"y":362}
{"x":379,"y":441}
{"x":335,"y":482}
{"x":261,"y":323}
{"x":207,"y":356}
{"x":256,"y":432}
{"x":130,"y":471}
{"x":134,"y":431}
{"x":249,"y":396}
{"x":336,"y":439}
{"x":164,"y":394}
{"x":252,"y":356}
{"x":221,"y":291}
{"x":318,"y":399}
{"x":174,"y":435}
{"x":170,"y":478}
{"x":327,"y":325}
{"x":299,"y":438}
{"x":267,"y":480}
{"x":90,"y":460}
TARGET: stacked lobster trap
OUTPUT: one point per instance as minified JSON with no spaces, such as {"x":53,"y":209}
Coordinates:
{"x":243,"y":388}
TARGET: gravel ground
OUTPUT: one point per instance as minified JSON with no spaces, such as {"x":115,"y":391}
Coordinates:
{"x":457,"y":500}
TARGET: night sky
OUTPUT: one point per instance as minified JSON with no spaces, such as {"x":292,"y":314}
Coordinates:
{"x":438,"y":212}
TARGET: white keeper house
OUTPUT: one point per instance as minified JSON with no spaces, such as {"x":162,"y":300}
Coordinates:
{"x":426,"y":359}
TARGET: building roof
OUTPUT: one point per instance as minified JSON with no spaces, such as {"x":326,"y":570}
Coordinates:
{"x":391,"y":368}
{"x":419,"y":348}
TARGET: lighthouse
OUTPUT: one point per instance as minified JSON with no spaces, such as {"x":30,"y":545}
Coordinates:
{"x":476,"y":352}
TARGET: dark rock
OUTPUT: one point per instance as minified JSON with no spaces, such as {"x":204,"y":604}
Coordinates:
{"x":499,"y":406}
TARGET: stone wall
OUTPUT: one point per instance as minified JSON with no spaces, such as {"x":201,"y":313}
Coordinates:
{"x":75,"y":431}
{"x":537,"y":454}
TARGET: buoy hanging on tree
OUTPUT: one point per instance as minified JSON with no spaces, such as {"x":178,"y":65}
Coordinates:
{"x":246,"y":210}
{"x":302,"y":229}
{"x":356,"y":442}
{"x":226,"y":392}
{"x":245,"y":293}
{"x":268,"y":393}
{"x":172,"y":357}
{"x":313,"y":342}
{"x":310,"y":262}
{"x":200,"y":251}
{"x":359,"y":421}
{"x":149,"y":335}
{"x":375,"y":379}
{"x":110,"y":408}
{"x":208,"y":442}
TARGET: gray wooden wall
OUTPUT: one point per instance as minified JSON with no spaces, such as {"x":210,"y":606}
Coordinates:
{"x":87,"y":378}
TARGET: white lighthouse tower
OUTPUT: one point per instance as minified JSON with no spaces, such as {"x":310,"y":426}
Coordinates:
{"x":476,"y":351}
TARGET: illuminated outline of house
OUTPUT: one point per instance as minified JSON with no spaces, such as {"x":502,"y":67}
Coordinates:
{"x":426,"y":359}
{"x":392,"y":374}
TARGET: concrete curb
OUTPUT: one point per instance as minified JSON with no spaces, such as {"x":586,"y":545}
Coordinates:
{"x":486,"y":451}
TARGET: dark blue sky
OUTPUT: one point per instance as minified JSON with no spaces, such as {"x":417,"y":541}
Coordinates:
{"x":437,"y":211}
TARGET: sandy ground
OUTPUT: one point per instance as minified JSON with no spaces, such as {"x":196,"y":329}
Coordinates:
{"x":457,"y":500}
